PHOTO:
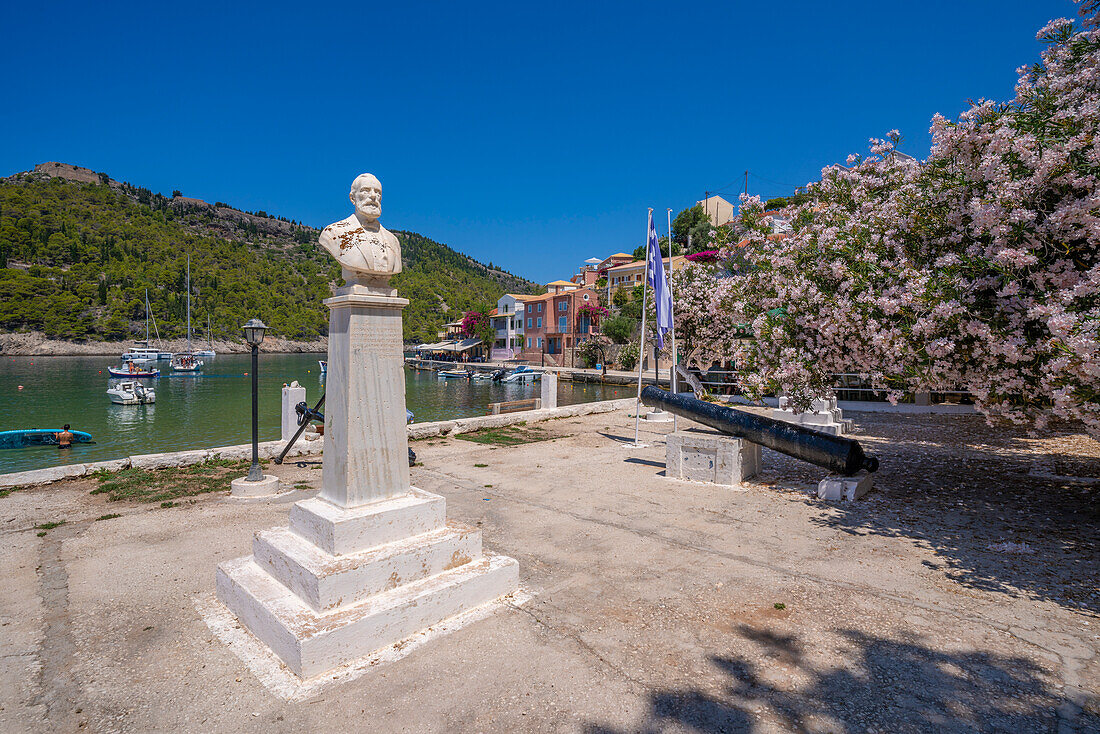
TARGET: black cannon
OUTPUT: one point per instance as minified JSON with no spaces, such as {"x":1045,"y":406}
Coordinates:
{"x":835,"y":453}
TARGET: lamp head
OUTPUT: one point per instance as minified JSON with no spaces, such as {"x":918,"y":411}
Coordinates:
{"x":254,"y":332}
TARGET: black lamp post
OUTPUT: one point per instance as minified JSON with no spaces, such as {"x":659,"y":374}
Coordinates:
{"x":254,"y":334}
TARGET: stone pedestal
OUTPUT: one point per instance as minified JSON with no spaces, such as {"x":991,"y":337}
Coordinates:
{"x":823,"y":415}
{"x":265,"y":487}
{"x":549,"y":389}
{"x":710,"y":458}
{"x":844,"y":488}
{"x":292,"y":395}
{"x":371,"y":560}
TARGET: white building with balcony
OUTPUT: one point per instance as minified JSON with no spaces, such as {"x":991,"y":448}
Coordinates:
{"x":507,"y":320}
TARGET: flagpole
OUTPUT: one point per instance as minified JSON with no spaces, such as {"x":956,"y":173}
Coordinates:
{"x":641,"y":344}
{"x":672,"y":312}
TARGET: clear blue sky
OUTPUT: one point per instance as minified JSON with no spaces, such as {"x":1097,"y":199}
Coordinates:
{"x":532,"y":135}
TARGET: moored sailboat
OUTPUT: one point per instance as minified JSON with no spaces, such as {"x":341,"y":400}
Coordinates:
{"x":186,"y":361}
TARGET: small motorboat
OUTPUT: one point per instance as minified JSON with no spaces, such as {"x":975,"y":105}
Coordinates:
{"x":133,"y":371}
{"x":324,"y":366}
{"x":186,"y":362}
{"x":38,"y":437}
{"x":523,"y":373}
{"x":455,"y":373}
{"x":131,"y":393}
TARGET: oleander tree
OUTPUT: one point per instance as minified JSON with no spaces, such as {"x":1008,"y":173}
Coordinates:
{"x":978,"y":268}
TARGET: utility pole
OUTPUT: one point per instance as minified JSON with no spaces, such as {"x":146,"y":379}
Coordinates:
{"x":746,"y":183}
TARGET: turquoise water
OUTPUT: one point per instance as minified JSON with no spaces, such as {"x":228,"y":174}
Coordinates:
{"x":205,"y":410}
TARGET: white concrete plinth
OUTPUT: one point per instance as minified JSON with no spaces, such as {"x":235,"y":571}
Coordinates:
{"x":549,"y":389}
{"x":265,"y":487}
{"x":292,"y":395}
{"x":658,"y":416}
{"x":403,"y":568}
{"x":844,"y":488}
{"x":823,"y":415}
{"x":371,"y":560}
{"x":701,"y":457}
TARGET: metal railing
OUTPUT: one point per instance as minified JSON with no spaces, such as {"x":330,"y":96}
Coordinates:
{"x":846,"y":386}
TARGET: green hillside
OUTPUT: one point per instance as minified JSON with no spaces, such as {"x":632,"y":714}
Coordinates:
{"x":76,"y":258}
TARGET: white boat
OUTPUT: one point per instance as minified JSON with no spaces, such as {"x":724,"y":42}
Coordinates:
{"x":523,"y":373}
{"x":204,"y":352}
{"x":186,"y":362}
{"x":140,"y":353}
{"x":455,"y":373}
{"x":131,"y":393}
{"x":324,"y":366}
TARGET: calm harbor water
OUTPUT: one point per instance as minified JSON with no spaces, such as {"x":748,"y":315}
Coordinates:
{"x":206,"y":410}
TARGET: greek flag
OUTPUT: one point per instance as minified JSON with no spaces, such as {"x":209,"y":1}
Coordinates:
{"x":662,"y":295}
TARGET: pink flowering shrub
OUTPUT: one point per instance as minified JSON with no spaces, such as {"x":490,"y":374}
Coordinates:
{"x":474,"y":323}
{"x":977,"y":269}
{"x":593,"y":312}
{"x":706,"y":256}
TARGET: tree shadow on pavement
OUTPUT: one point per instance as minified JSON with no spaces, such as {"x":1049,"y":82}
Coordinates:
{"x":863,"y":683}
{"x":1002,"y":511}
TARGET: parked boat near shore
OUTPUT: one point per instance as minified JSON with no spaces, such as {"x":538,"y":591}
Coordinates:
{"x":131,"y":393}
{"x":133,"y":371}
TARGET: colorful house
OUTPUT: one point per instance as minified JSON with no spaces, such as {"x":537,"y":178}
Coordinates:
{"x":557,"y":321}
{"x":633,"y":273}
{"x":507,"y":320}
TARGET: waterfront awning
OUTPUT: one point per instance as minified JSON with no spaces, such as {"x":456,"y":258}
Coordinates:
{"x":461,"y":346}
{"x":443,"y":346}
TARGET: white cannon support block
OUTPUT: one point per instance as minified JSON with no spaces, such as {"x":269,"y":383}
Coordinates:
{"x":703,"y":457}
{"x":844,"y":488}
{"x":823,"y":415}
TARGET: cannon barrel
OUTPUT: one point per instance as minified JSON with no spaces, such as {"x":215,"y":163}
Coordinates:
{"x":835,"y":453}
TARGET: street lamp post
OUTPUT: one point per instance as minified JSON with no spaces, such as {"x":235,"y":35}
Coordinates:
{"x":254,"y":334}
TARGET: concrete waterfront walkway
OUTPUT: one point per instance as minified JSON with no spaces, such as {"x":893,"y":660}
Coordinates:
{"x":960,"y":595}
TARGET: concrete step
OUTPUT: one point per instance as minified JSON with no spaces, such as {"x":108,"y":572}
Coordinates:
{"x":325,"y":581}
{"x":342,"y":531}
{"x":311,"y":643}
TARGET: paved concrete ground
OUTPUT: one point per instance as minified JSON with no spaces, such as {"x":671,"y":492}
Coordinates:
{"x":961,"y":595}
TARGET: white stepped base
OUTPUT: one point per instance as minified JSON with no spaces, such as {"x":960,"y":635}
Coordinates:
{"x":324,"y":581}
{"x":311,"y":643}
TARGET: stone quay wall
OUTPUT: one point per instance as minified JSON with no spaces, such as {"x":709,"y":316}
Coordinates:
{"x":271,"y":449}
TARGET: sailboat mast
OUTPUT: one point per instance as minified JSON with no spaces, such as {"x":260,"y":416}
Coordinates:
{"x":146,"y":317}
{"x":189,"y":303}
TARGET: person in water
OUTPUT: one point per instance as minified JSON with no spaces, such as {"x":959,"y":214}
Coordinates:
{"x":65,"y":438}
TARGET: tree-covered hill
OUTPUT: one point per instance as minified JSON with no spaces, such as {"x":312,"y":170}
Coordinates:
{"x":78,"y":251}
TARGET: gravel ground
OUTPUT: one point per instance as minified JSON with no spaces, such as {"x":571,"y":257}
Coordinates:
{"x":959,"y":596}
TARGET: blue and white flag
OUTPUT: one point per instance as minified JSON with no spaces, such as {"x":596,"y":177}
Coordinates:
{"x":662,"y":295}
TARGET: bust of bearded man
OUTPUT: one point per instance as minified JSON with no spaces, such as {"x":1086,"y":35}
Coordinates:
{"x":368,"y":252}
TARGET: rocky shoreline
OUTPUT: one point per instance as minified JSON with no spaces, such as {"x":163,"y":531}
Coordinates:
{"x":33,"y":344}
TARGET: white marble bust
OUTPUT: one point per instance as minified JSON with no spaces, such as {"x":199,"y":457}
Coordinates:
{"x":366,"y":250}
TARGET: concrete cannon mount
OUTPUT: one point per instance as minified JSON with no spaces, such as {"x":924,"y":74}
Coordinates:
{"x":652,"y":601}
